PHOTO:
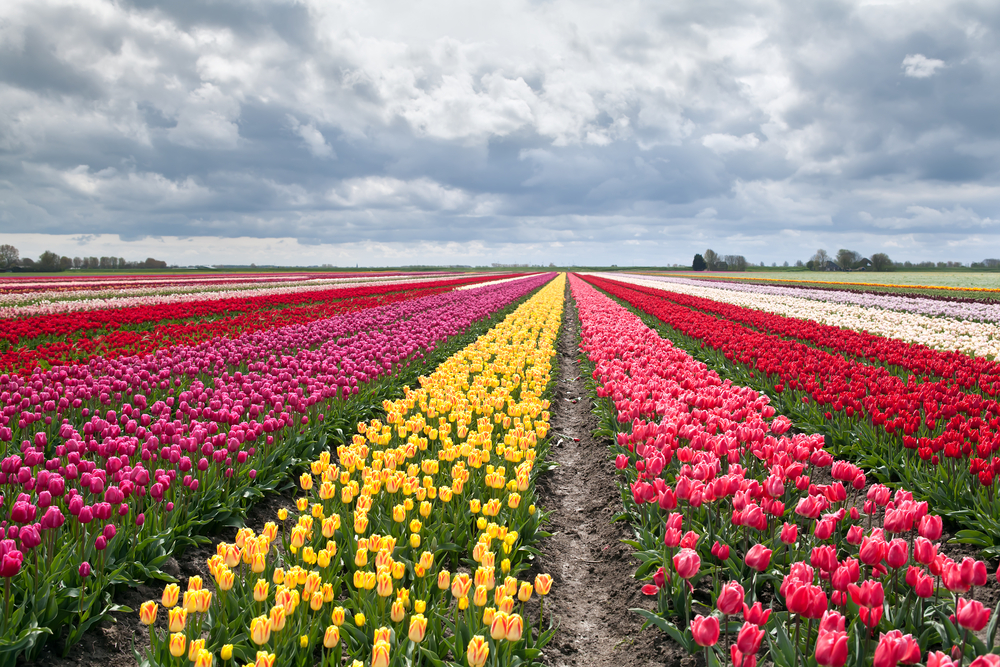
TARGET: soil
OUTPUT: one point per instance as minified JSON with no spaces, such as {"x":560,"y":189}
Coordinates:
{"x":591,"y":568}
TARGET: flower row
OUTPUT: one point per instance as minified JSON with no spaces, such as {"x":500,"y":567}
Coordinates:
{"x":133,"y":454}
{"x":742,"y":542}
{"x":51,"y":303}
{"x":949,"y":333}
{"x":968,"y":309}
{"x":409,"y":543}
{"x":930,"y":434}
{"x":70,"y":338}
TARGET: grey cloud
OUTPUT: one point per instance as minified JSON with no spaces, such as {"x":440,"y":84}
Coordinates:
{"x":273,"y":119}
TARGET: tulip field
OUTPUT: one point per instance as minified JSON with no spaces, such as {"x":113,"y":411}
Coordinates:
{"x":808,"y":476}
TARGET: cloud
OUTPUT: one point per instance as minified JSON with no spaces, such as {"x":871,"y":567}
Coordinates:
{"x":313,"y":139}
{"x":503,"y":126}
{"x":919,"y":66}
{"x":727,"y":143}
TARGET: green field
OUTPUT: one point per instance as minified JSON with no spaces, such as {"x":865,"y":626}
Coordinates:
{"x":969,"y":279}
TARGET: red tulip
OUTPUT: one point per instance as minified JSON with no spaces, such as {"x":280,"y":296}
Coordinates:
{"x":730,"y":600}
{"x":705,"y":630}
{"x":971,"y":614}
{"x":687,"y":563}
{"x":831,"y":648}
{"x":758,"y":558}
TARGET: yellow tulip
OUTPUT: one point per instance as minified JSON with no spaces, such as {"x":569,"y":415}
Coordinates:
{"x":227,"y":652}
{"x":397,"y":612}
{"x":265,"y":659}
{"x":331,"y":637}
{"x":195,"y":583}
{"x":260,"y":590}
{"x":177,"y":619}
{"x":515,"y":627}
{"x":147,"y":612}
{"x":478,"y":651}
{"x":178,"y":644}
{"x":380,"y":655}
{"x":418,"y":628}
{"x":260,"y":630}
{"x":359,"y":619}
{"x":543,"y":584}
{"x":498,"y":626}
{"x":277,"y":618}
{"x":170,"y":594}
{"x":193,"y":647}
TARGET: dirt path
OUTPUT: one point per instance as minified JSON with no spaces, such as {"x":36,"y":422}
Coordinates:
{"x":592,"y":569}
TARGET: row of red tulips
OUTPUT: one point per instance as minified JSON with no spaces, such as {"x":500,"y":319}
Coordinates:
{"x":120,"y":460}
{"x":743,"y":542}
{"x":957,"y":369}
{"x":69,"y":338}
{"x":928,"y":435}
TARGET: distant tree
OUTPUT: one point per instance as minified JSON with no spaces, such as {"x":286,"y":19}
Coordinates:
{"x":798,"y":263}
{"x":811,"y":265}
{"x":699,"y":263}
{"x":48,"y":261}
{"x":105,"y":263}
{"x":846,"y":259}
{"x":991,"y":263}
{"x":785,"y":264}
{"x":712,"y":260}
{"x":881,"y":262}
{"x":736,"y":263}
{"x":819,"y":260}
{"x":77,"y":263}
{"x":151,"y":263}
{"x":93,"y":263}
{"x":65,"y":263}
{"x":9,"y":256}
{"x":122,"y":263}
{"x":28,"y":263}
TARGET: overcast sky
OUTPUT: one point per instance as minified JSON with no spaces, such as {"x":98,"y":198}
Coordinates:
{"x":472,"y":131}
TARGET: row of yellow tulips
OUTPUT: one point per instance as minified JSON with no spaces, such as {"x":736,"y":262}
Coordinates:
{"x":399,"y":533}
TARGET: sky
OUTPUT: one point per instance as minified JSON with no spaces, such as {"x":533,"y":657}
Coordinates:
{"x":386,"y":133}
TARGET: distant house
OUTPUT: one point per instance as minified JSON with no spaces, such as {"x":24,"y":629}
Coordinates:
{"x":832,"y":266}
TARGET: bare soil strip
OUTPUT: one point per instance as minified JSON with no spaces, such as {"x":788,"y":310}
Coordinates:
{"x":592,"y":569}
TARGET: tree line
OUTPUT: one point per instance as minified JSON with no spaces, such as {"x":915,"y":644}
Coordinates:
{"x":11,"y":260}
{"x":844,"y":260}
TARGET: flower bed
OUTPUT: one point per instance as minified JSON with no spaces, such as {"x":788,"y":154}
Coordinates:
{"x":729,"y":515}
{"x":410,"y":538}
{"x":134,"y":455}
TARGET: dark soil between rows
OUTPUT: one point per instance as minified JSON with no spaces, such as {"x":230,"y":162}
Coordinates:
{"x":592,"y":569}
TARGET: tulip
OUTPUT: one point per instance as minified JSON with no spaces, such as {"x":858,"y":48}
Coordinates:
{"x":177,"y":619}
{"x":758,"y":558}
{"x":705,"y":630}
{"x":478,"y":651}
{"x":203,"y":659}
{"x":748,"y":639}
{"x":331,"y":637}
{"x":194,"y":646}
{"x":543,"y":584}
{"x":227,"y":652}
{"x":730,"y":600}
{"x":265,"y":659}
{"x":418,"y":628}
{"x":789,"y":533}
{"x":84,"y":570}
{"x":686,"y":563}
{"x":515,"y":627}
{"x":178,"y":644}
{"x":147,"y":612}
{"x":171,"y":592}
{"x":971,"y":614}
{"x":831,"y":648}
{"x":260,"y":630}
